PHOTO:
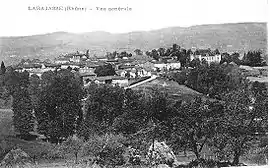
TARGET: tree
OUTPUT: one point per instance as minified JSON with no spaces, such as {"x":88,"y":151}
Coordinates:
{"x":154,"y":54}
{"x":34,"y":90}
{"x":59,"y":112}
{"x":182,"y":57}
{"x":138,"y":52}
{"x":216,"y":52}
{"x":131,"y":120}
{"x":194,"y":124}
{"x":225,"y":57}
{"x":115,"y":54}
{"x":110,"y":55}
{"x":195,"y":63}
{"x":168,"y":51}
{"x":87,"y":53}
{"x":180,"y":77}
{"x":161,"y":52}
{"x":148,"y":53}
{"x":105,"y":70}
{"x":208,"y":79}
{"x":175,"y":47}
{"x":73,"y":145}
{"x":235,"y":58}
{"x":3,"y":68}
{"x":253,"y":58}
{"x":69,"y":68}
{"x":244,"y":123}
{"x":156,"y":110}
{"x":23,"y":118}
{"x":47,"y":78}
{"x":11,"y":80}
{"x":106,"y":149}
{"x":103,"y":105}
{"x":123,"y":54}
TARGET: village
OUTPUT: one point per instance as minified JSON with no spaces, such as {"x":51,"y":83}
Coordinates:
{"x":131,"y":84}
{"x":132,"y":67}
{"x":126,"y":68}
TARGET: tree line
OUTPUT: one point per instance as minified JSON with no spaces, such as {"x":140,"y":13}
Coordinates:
{"x":228,"y":125}
{"x":251,"y":58}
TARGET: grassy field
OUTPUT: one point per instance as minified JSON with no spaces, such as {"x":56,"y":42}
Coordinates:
{"x":6,"y":123}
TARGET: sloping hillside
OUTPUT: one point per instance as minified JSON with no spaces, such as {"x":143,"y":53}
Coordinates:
{"x":226,"y":37}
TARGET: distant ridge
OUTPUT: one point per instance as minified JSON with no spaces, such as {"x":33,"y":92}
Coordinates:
{"x":140,"y":31}
{"x":229,"y":37}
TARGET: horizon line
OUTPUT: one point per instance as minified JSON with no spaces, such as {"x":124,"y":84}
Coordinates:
{"x":45,"y":33}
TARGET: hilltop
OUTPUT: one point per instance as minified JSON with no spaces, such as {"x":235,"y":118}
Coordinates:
{"x":226,"y":37}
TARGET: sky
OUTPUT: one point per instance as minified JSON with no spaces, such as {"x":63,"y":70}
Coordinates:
{"x":18,"y":20}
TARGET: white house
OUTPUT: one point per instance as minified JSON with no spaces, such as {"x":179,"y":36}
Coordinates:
{"x":61,"y":60}
{"x":172,"y":64}
{"x":209,"y":58}
{"x":122,"y":82}
{"x":65,"y":66}
{"x":86,"y":70}
{"x":160,"y":65}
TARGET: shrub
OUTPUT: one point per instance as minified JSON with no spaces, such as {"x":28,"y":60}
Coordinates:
{"x":203,"y":163}
{"x":106,"y":149}
{"x":54,"y":153}
{"x":133,"y":156}
{"x":161,"y":153}
{"x":73,"y":145}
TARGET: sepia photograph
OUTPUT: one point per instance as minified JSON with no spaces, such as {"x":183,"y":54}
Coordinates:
{"x":133,"y":84}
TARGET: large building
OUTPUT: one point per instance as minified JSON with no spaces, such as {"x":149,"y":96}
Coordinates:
{"x":208,"y":58}
{"x":206,"y":54}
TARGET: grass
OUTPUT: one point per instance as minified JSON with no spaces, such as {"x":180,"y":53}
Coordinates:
{"x":6,"y":128}
{"x":172,"y":88}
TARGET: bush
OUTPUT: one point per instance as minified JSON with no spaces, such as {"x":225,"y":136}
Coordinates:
{"x":106,"y":149}
{"x":133,"y":156}
{"x":258,"y":156}
{"x":202,"y":163}
{"x":161,"y":153}
{"x":140,"y":144}
{"x":54,"y":153}
{"x":73,"y":145}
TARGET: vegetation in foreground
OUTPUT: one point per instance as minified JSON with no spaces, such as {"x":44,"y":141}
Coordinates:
{"x":113,"y":119}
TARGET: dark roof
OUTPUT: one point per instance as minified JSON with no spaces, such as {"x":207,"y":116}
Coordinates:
{"x":110,"y":78}
{"x":125,"y":66}
{"x":159,"y":62}
{"x":62,"y":59}
{"x":112,"y":60}
{"x":73,"y":64}
{"x":204,"y":52}
{"x":31,"y":66}
{"x":87,"y":74}
{"x":172,"y":61}
{"x":104,"y":78}
{"x":52,"y":65}
{"x":126,"y":60}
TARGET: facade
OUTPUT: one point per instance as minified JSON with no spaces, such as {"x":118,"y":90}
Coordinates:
{"x":160,"y":65}
{"x":173,"y":65}
{"x":167,"y":66}
{"x":208,"y":58}
{"x":61,"y":61}
{"x":86,"y":70}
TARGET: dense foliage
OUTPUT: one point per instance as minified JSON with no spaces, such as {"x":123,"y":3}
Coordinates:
{"x":107,"y":119}
{"x":59,"y":111}
{"x":105,"y":70}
